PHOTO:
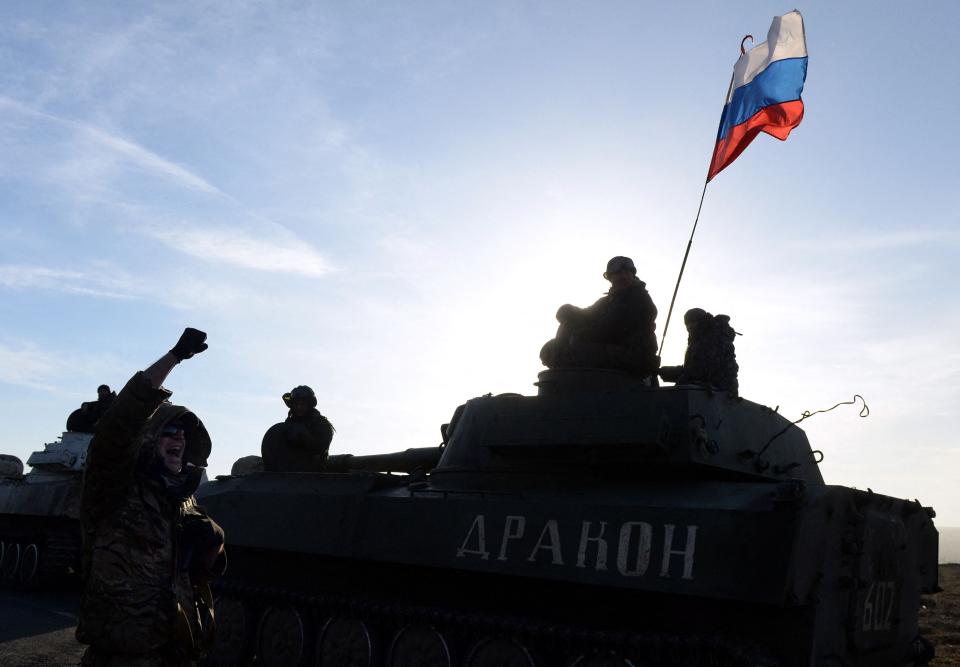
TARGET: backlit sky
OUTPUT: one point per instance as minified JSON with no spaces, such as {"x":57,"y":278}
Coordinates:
{"x":389,"y":200}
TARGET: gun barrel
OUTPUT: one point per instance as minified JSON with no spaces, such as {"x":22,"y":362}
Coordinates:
{"x":408,"y":461}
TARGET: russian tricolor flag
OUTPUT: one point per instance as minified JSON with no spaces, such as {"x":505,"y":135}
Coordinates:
{"x":765,"y":91}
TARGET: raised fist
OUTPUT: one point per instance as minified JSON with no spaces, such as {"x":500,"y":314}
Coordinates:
{"x":191,"y":342}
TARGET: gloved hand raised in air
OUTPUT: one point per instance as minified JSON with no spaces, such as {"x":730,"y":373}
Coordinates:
{"x":191,"y":342}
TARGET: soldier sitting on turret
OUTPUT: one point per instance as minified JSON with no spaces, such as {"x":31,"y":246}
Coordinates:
{"x":84,"y":419}
{"x":301,"y":443}
{"x":710,"y":358}
{"x":618,"y":331}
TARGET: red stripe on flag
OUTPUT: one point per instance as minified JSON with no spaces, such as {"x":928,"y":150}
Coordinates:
{"x":776,"y":120}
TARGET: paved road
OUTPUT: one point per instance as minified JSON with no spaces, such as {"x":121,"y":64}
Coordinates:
{"x":36,"y":629}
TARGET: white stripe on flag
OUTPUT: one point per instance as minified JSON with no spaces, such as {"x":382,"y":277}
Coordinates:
{"x":785,"y":39}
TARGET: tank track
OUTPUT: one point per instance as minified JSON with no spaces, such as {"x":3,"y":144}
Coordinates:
{"x":285,"y":627}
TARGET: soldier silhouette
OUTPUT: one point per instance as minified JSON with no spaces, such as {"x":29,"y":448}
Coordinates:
{"x":301,"y":443}
{"x":710,"y":358}
{"x":84,"y":419}
{"x":618,"y":331}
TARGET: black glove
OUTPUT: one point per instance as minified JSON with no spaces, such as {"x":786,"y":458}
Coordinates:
{"x":190,"y":343}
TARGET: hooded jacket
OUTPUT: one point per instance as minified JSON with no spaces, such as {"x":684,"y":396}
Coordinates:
{"x":137,"y":595}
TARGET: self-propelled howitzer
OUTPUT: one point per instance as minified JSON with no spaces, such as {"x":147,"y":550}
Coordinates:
{"x":601,"y":522}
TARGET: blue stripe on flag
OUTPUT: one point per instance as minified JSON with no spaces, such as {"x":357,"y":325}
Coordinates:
{"x":781,"y":81}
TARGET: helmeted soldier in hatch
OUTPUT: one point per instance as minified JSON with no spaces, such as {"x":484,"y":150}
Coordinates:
{"x":149,"y":550}
{"x":302,"y":442}
{"x":84,"y":419}
{"x":618,"y":331}
{"x":710,"y":359}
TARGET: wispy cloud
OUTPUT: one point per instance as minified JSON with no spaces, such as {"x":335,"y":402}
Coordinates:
{"x":27,"y":365}
{"x":119,"y":148}
{"x":90,"y":173}
{"x":280,"y":252}
{"x":895,"y":239}
{"x":56,"y":370}
{"x":16,"y":276}
{"x":150,"y":161}
{"x":177,"y":290}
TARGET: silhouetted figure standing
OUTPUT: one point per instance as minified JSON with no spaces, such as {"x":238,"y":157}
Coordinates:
{"x":301,"y":443}
{"x":710,"y":358}
{"x":618,"y":331}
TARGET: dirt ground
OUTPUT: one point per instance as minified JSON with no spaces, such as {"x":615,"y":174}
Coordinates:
{"x":51,"y":649}
{"x":940,"y":618}
{"x":36,"y":629}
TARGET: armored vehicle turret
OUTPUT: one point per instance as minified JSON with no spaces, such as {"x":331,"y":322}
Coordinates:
{"x":601,"y":522}
{"x":40,"y":513}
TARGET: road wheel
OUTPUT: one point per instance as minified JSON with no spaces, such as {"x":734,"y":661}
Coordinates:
{"x":499,"y":652}
{"x":231,"y":643}
{"x":345,"y":642}
{"x":28,"y":565}
{"x":419,"y":647}
{"x":11,"y":561}
{"x":281,"y":637}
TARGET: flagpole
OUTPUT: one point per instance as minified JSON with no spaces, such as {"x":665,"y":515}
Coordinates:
{"x":693,"y":231}
{"x":683,"y":264}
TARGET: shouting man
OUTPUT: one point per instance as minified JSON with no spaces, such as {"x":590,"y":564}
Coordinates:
{"x":148,"y":550}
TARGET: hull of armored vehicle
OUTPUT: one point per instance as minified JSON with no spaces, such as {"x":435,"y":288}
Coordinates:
{"x":40,"y":516}
{"x":665,"y":545}
{"x":758,"y":574}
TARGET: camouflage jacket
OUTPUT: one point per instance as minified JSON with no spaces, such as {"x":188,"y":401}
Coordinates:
{"x":133,"y":586}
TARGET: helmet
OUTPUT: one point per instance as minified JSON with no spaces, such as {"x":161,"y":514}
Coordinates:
{"x":620,"y":263}
{"x":695,"y":315}
{"x":301,"y":393}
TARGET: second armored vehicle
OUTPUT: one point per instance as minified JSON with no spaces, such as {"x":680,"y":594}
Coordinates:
{"x":40,"y":513}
